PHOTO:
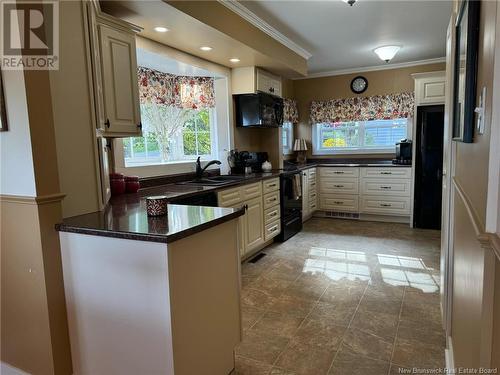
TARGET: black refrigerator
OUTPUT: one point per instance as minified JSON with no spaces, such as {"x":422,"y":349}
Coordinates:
{"x":428,"y":167}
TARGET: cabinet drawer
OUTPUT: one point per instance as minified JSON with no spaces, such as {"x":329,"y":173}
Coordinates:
{"x":335,"y":202}
{"x":271,"y":230}
{"x":312,"y":184}
{"x":229,"y":197}
{"x":270,"y":185}
{"x":312,"y":173}
{"x":313,"y":206}
{"x":385,"y":205}
{"x":389,"y":187}
{"x":313,"y":198}
{"x":339,"y":185}
{"x":271,"y":199}
{"x":251,"y":190}
{"x":271,"y":214}
{"x":394,"y":172}
{"x":338,"y":172}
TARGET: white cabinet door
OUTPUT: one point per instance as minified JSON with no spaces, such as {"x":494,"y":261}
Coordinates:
{"x":254,"y":224}
{"x":119,"y":76}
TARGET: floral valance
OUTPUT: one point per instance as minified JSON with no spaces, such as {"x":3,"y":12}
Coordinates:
{"x":177,"y":91}
{"x":290,"y":111}
{"x":379,"y":107}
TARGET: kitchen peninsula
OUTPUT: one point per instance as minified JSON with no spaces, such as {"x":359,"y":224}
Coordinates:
{"x":151,"y":295}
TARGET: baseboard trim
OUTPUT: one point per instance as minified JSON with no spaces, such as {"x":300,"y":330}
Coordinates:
{"x":448,"y":355}
{"x":6,"y":369}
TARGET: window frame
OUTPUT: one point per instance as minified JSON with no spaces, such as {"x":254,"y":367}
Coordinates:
{"x":318,"y":150}
{"x":288,"y":128}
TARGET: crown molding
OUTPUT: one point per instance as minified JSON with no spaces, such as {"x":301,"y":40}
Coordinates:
{"x":262,"y":25}
{"x":373,"y":68}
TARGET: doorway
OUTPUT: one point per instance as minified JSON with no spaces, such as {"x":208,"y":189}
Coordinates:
{"x":428,"y":167}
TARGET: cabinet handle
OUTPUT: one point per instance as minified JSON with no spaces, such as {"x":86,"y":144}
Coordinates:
{"x":385,"y":187}
{"x":273,"y":229}
{"x":385,"y":205}
{"x":313,"y":183}
{"x":272,"y":199}
{"x":338,"y":172}
{"x":107,"y":123}
{"x":273,"y":214}
{"x":271,"y":185}
{"x":338,"y":186}
{"x":338,"y":202}
{"x":139,"y":125}
{"x":385,"y":172}
{"x":271,"y":89}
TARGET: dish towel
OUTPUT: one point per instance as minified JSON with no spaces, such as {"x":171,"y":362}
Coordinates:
{"x":297,"y":186}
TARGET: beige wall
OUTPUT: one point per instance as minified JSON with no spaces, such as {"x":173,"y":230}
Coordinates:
{"x":334,"y":87}
{"x":475,"y":317}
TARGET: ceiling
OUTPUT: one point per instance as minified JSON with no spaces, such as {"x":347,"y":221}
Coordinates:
{"x":342,"y":37}
{"x":164,"y":64}
{"x":187,"y":34}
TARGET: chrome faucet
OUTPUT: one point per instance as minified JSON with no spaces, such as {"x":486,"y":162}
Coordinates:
{"x":200,"y":170}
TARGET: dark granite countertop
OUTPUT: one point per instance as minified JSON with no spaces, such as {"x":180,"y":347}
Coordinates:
{"x":129,"y":220}
{"x":125,"y":215}
{"x":311,"y":163}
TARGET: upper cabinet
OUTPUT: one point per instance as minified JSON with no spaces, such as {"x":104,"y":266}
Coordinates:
{"x":114,"y":63}
{"x":251,"y":79}
{"x":429,"y":88}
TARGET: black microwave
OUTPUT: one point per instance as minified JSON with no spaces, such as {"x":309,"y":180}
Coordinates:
{"x":259,"y":110}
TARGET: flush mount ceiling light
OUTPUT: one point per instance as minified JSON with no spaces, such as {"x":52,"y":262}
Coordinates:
{"x":206,"y":48}
{"x":386,"y":53}
{"x":160,"y":29}
{"x":350,"y":2}
{"x":234,"y":60}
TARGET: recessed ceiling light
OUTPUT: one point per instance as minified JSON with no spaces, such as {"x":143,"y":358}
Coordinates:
{"x":160,"y":29}
{"x":386,"y":53}
{"x":206,"y":48}
{"x":234,"y":60}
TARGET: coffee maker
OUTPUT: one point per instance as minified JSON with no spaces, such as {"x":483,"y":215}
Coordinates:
{"x":403,"y":152}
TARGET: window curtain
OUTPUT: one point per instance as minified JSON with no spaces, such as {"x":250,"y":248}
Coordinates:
{"x":184,"y":92}
{"x":290,"y":111}
{"x":379,"y":107}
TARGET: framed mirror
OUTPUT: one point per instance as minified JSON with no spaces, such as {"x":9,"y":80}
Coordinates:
{"x":3,"y":112}
{"x":465,"y":80}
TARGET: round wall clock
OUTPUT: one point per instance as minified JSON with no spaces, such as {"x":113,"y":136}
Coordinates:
{"x":359,"y":84}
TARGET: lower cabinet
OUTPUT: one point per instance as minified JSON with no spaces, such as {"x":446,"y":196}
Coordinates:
{"x":365,"y":192}
{"x":254,"y":227}
{"x":261,"y":221}
{"x":309,"y":193}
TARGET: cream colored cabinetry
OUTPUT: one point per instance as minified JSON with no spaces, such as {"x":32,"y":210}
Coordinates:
{"x":272,"y":213}
{"x":429,"y":88}
{"x":366,"y":191}
{"x":386,"y":191}
{"x":261,"y":221}
{"x":114,"y":63}
{"x":309,"y":193}
{"x":251,"y":79}
{"x":338,"y":189}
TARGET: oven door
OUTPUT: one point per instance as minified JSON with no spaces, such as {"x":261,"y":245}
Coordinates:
{"x":291,"y":199}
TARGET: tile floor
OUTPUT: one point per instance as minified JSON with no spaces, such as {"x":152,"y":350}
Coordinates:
{"x":343,"y":297}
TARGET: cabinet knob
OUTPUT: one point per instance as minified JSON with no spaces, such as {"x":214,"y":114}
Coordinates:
{"x":107,"y":123}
